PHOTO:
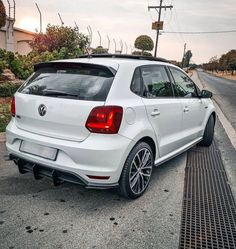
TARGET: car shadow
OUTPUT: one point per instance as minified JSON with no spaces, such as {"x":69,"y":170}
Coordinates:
{"x":15,"y":184}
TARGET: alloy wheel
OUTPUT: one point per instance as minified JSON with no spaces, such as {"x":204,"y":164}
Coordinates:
{"x":140,"y":171}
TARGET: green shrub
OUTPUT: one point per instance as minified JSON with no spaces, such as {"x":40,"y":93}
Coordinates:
{"x":1,"y":67}
{"x":142,"y":53}
{"x":3,"y":60}
{"x":4,"y":120}
{"x":8,"y":89}
{"x":5,"y":115}
{"x":23,"y":65}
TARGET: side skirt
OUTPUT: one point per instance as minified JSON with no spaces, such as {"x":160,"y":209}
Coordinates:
{"x":175,"y":153}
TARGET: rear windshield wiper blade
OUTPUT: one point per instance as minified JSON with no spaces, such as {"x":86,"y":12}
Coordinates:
{"x":51,"y":92}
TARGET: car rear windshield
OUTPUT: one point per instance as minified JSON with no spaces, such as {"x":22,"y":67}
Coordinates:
{"x":76,"y":81}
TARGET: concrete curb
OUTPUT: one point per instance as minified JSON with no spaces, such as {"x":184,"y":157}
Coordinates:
{"x":203,"y":85}
{"x":2,"y":136}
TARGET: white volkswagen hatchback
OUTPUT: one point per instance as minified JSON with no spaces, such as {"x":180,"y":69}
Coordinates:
{"x":105,"y":121}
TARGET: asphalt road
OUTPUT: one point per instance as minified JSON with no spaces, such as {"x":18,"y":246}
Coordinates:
{"x":35,"y":214}
{"x":224,"y":93}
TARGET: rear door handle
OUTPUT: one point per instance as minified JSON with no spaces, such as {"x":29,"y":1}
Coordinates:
{"x":186,"y":109}
{"x":155,"y":112}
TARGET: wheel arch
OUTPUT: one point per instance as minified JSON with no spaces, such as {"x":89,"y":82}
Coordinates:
{"x":213,"y":113}
{"x":214,"y":116}
{"x":151,"y":143}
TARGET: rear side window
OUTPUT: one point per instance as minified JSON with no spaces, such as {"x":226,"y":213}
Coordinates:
{"x":136,"y":82}
{"x":78,"y":81}
{"x":156,"y":82}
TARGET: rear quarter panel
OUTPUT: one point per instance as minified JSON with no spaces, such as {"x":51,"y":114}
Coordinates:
{"x":135,"y":124}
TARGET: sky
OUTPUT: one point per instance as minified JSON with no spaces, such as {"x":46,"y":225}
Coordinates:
{"x":126,"y":19}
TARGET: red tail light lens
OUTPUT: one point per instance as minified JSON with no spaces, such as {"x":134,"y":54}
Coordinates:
{"x":13,"y":107}
{"x":105,"y":119}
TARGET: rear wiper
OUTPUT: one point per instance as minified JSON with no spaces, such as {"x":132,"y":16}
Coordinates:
{"x":56,"y":93}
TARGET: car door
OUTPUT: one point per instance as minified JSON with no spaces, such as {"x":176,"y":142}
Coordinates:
{"x":163,"y":110}
{"x":193,"y":107}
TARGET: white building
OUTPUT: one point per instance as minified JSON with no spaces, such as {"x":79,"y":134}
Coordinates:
{"x":15,"y":39}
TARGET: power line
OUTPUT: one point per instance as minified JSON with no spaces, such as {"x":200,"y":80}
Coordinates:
{"x":199,"y":32}
{"x":168,"y":21}
{"x":150,"y":13}
{"x":178,"y":25}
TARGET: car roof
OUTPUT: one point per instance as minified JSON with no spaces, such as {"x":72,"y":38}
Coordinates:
{"x":114,"y":61}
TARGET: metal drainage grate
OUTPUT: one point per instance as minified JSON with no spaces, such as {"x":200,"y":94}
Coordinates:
{"x":209,"y":210}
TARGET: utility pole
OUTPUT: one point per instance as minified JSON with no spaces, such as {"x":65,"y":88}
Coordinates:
{"x":126,"y":48}
{"x":159,"y":9}
{"x":62,"y":23}
{"x":121,"y":46}
{"x":11,"y":9}
{"x":76,"y":26}
{"x":90,"y":32}
{"x":40,"y":16}
{"x":10,"y":26}
{"x":184,"y":55}
{"x":115,"y":45}
{"x":100,"y":38}
{"x":108,"y":45}
{"x":131,"y":49}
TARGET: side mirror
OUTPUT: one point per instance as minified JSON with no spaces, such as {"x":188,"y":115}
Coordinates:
{"x":205,"y":94}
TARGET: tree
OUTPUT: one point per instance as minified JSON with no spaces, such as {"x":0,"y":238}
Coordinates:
{"x":187,"y":57}
{"x":213,"y":63}
{"x":58,"y":37}
{"x":232,"y":66}
{"x":99,"y":50}
{"x":2,"y":15}
{"x":226,"y":59}
{"x":144,"y":43}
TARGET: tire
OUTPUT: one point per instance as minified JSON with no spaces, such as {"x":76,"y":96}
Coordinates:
{"x":136,"y":171}
{"x":208,"y":133}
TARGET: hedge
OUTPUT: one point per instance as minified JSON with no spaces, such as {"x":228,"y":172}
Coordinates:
{"x":8,"y":89}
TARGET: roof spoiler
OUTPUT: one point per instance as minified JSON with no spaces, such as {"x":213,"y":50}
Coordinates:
{"x":62,"y":64}
{"x":125,"y":56}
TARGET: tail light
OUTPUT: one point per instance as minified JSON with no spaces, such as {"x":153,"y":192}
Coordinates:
{"x":105,"y":119}
{"x":13,"y":107}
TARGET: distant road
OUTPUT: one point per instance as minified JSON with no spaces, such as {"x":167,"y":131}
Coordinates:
{"x":224,"y":93}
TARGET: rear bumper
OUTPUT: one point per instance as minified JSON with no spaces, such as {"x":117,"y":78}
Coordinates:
{"x":98,"y":155}
{"x":57,"y":176}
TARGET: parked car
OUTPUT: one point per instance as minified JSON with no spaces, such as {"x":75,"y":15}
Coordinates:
{"x":105,"y":121}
